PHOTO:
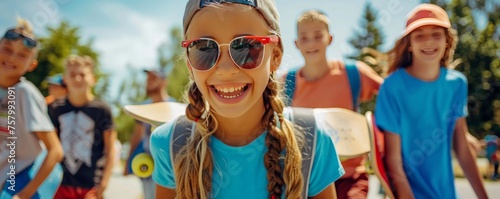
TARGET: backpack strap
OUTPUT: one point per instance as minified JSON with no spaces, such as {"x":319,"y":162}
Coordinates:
{"x":183,"y":128}
{"x":304,"y":118}
{"x":354,"y":82}
{"x":290,"y":86}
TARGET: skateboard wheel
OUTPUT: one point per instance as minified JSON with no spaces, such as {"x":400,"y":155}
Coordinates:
{"x":142,"y":165}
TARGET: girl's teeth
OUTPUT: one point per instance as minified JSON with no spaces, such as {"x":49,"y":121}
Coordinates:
{"x":229,"y":90}
{"x":231,"y":96}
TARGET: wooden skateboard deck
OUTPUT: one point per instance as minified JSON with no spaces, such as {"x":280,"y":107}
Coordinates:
{"x":349,"y":130}
{"x":157,"y":113}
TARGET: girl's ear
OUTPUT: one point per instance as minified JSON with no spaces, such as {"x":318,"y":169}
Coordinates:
{"x":276,"y":58}
{"x":409,"y":49}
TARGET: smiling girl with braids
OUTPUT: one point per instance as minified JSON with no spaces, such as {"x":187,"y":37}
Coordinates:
{"x":242,"y":145}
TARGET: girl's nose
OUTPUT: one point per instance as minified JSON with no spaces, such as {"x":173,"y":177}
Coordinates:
{"x":225,"y":66}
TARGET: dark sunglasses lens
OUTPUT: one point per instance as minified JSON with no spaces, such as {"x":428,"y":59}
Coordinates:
{"x":12,"y":35}
{"x":247,"y":53}
{"x":30,"y":43}
{"x":202,"y":54}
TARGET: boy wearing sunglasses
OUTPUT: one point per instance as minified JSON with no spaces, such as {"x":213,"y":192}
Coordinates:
{"x":23,"y":119}
{"x":323,"y":83}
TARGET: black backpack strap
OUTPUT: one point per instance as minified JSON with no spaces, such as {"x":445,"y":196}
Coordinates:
{"x":304,"y":117}
{"x":183,"y":128}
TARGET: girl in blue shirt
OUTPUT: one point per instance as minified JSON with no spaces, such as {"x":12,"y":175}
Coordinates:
{"x":243,"y":145}
{"x":422,"y":106}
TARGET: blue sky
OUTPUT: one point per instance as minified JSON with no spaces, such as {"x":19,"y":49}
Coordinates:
{"x":130,"y":31}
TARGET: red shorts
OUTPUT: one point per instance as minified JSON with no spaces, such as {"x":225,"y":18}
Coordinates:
{"x":69,"y":192}
{"x":354,"y":187}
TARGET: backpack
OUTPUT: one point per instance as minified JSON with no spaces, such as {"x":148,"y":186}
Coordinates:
{"x":302,"y":117}
{"x":352,"y":75}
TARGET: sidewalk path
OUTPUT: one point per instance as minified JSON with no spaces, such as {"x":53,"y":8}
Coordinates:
{"x":123,"y":187}
{"x":129,"y":187}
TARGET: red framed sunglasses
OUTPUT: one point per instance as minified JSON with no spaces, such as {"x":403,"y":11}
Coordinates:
{"x":246,"y":52}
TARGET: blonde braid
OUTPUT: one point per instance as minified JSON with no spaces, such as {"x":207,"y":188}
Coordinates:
{"x":276,"y":141}
{"x":194,"y":163}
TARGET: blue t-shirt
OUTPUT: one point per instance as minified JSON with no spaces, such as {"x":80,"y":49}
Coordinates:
{"x":239,"y":172}
{"x":423,"y":114}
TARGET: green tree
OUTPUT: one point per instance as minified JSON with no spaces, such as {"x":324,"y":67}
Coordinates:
{"x":61,"y":42}
{"x":479,"y":51}
{"x":132,"y":90}
{"x":368,"y":36}
{"x":171,"y":57}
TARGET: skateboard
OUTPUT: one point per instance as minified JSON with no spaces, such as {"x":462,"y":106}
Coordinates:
{"x":349,"y":129}
{"x":138,"y":150}
{"x":46,"y":190}
{"x":141,"y":163}
{"x":157,"y":113}
{"x":376,"y":159}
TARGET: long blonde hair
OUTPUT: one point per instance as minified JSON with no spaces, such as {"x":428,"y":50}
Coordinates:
{"x":401,"y":57}
{"x":193,"y":164}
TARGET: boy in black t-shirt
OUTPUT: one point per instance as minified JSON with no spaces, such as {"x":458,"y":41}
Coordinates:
{"x":85,"y":127}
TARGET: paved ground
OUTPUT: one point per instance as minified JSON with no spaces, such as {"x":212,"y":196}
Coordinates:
{"x":123,"y":187}
{"x":462,"y":185}
{"x":129,"y":187}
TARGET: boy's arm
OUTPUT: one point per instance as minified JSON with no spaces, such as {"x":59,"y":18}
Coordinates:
{"x":394,"y":162}
{"x":54,"y":156}
{"x":465,"y":158}
{"x":109,"y":148}
{"x":134,"y":141}
{"x":370,"y":81}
